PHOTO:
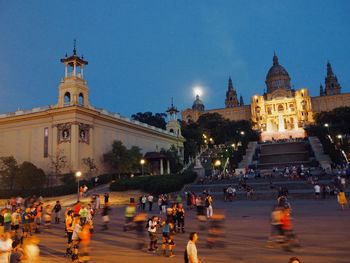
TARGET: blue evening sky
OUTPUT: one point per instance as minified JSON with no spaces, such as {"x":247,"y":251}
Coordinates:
{"x":142,"y":53}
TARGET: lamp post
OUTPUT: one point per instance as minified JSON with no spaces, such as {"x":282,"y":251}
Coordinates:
{"x":340,"y":137}
{"x":77,"y":175}
{"x":327,"y":126}
{"x":142,"y":162}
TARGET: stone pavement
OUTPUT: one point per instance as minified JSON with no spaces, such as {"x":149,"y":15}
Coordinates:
{"x":323,"y":229}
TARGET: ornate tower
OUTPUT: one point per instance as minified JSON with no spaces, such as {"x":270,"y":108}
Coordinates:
{"x":231,"y":96}
{"x":173,"y":125}
{"x":321,"y":90}
{"x":241,"y":102}
{"x":73,"y":88}
{"x":332,"y":87}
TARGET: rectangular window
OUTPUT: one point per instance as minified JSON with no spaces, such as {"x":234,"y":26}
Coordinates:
{"x":46,"y":142}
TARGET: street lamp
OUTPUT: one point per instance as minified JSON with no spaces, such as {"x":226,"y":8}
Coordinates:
{"x":142,"y":162}
{"x":327,"y":126}
{"x":77,"y":175}
{"x":217,"y":163}
{"x":242,"y":132}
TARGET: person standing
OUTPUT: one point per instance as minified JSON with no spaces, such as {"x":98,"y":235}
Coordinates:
{"x":209,"y":205}
{"x":191,"y":249}
{"x":143,"y":202}
{"x":150,"y":202}
{"x":317,"y":191}
{"x":57,"y":210}
{"x":106,"y":196}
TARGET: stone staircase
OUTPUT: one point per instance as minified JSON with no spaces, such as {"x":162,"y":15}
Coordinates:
{"x":248,"y":157}
{"x":282,"y":154}
{"x":322,"y":158}
{"x":265,"y":188}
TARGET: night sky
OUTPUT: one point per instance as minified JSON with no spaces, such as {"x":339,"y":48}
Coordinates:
{"x":142,"y":53}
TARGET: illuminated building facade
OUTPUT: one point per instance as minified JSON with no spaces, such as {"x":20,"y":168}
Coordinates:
{"x":281,"y":112}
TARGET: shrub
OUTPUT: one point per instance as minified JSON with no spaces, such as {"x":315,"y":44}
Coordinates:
{"x":155,"y":184}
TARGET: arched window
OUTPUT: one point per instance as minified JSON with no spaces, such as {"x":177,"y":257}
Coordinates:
{"x":257,"y":109}
{"x":280,"y":108}
{"x":171,"y":130}
{"x":81,"y":99}
{"x":67,"y":99}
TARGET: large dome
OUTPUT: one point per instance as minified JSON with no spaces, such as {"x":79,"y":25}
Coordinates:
{"x":277,"y":77}
{"x":198,"y":104}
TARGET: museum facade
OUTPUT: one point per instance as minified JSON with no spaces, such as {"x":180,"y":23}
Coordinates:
{"x":281,"y":111}
{"x":75,"y":130}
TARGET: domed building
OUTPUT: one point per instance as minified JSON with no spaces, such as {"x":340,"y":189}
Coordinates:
{"x":281,"y":112}
{"x":198,"y":104}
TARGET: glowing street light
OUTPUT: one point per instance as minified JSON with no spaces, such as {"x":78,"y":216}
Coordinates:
{"x":242,"y":132}
{"x":327,"y":126}
{"x":142,"y":162}
{"x":78,"y":175}
{"x":217,"y":163}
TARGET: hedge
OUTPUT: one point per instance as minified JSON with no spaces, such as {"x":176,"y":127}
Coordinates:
{"x":156,"y":185}
{"x":45,"y":192}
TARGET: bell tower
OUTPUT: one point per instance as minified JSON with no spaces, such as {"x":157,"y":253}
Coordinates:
{"x":173,"y":125}
{"x":73,"y":89}
{"x":231,"y":96}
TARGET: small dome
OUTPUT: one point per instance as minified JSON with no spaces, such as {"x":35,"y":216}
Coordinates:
{"x":198,"y":104}
{"x":277,"y":77}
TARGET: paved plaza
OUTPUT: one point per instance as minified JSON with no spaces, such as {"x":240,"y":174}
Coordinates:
{"x":323,"y":230}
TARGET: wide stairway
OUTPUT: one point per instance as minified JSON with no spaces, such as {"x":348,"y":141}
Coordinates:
{"x":282,"y":154}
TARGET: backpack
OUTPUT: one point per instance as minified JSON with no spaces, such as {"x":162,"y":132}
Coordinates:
{"x":186,"y":256}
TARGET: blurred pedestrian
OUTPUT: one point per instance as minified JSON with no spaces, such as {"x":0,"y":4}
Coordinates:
{"x":342,"y":199}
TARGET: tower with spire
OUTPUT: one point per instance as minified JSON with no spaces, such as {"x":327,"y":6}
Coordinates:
{"x":231,"y":100}
{"x":173,"y":125}
{"x":73,"y":89}
{"x":332,"y":87}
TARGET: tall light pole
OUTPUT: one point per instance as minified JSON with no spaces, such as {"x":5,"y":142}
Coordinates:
{"x":142,"y":162}
{"x":77,"y":175}
{"x":327,"y":126}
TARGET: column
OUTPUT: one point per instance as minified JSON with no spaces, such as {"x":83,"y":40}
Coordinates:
{"x":161,"y":167}
{"x":65,"y":70}
{"x":75,"y":70}
{"x":168,"y":166}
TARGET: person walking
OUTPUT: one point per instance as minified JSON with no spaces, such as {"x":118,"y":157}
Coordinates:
{"x":150,"y":202}
{"x":342,"y":199}
{"x":191,"y":255}
{"x":152,"y":232}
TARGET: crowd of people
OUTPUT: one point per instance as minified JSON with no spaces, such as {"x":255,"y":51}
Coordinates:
{"x":20,"y":222}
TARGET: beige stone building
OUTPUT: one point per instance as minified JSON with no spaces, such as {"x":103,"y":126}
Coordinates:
{"x":281,"y":112}
{"x":76,"y":130}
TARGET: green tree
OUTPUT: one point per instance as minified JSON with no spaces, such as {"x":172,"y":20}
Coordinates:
{"x":174,"y":159}
{"x":123,"y":160}
{"x":8,"y":171}
{"x":156,"y":120}
{"x":30,"y":176}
